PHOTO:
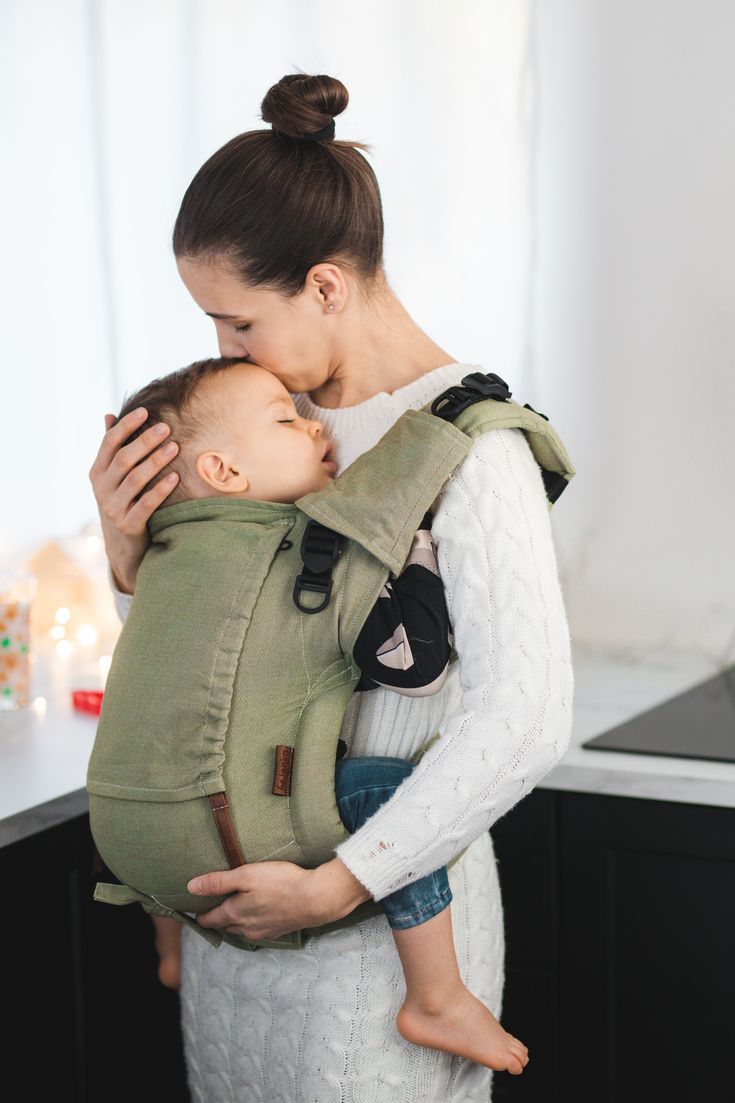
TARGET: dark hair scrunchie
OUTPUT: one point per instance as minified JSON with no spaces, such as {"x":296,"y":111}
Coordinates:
{"x":320,"y":135}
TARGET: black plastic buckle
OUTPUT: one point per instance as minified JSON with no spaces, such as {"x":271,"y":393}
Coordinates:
{"x":475,"y":387}
{"x":320,"y":549}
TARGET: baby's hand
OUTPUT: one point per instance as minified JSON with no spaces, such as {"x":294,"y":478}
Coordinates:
{"x":168,"y":946}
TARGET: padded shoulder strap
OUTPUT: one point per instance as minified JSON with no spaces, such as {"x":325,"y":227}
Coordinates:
{"x":482,"y":403}
{"x":382,"y":497}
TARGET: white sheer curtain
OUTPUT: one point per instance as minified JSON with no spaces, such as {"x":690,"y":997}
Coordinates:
{"x":108,"y":108}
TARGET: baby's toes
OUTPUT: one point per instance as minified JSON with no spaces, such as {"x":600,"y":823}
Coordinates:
{"x":519,"y":1049}
{"x":513,"y":1064}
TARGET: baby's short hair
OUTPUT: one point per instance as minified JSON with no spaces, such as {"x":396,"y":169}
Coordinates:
{"x":178,"y":400}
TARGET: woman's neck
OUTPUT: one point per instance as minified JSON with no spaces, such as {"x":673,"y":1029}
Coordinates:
{"x":383,"y":349}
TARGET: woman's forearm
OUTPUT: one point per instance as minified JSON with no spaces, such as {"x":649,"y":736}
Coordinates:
{"x":497,"y":560}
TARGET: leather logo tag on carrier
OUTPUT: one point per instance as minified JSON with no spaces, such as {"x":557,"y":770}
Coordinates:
{"x":282,"y":772}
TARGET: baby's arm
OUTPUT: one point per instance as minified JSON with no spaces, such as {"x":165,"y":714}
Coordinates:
{"x":406,"y":641}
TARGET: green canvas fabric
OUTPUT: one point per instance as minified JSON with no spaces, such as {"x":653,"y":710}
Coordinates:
{"x":215,"y":666}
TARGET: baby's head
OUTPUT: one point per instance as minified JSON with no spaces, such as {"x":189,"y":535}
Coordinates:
{"x":238,"y":431}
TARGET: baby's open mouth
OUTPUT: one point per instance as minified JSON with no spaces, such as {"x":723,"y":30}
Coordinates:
{"x":327,"y":458}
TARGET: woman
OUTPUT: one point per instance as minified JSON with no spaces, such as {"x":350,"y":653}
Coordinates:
{"x":279,"y":240}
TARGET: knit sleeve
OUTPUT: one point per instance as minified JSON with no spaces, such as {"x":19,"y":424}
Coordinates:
{"x":513,"y":720}
{"x":122,"y":601}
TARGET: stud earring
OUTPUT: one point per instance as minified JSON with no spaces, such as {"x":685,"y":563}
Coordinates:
{"x":331,"y":306}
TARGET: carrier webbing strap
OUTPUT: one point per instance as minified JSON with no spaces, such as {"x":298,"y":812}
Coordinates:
{"x":226,"y":829}
{"x":320,"y":548}
{"x":554,"y":483}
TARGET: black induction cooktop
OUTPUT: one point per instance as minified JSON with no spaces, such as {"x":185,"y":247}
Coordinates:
{"x":699,"y":723}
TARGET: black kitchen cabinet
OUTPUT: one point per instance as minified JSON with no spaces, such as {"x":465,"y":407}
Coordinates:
{"x":620,"y":961}
{"x":620,"y":949}
{"x":86,"y":1019}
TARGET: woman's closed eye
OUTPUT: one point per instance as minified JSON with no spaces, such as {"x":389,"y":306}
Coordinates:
{"x":243,"y":328}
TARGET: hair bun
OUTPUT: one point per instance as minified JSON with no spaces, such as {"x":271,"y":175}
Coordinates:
{"x":300,"y":105}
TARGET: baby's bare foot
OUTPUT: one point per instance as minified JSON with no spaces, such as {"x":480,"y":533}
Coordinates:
{"x":169,"y":970}
{"x":168,"y":947}
{"x":466,"y":1028}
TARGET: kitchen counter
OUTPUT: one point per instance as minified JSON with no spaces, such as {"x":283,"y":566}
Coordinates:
{"x":44,"y":749}
{"x":609,"y":691}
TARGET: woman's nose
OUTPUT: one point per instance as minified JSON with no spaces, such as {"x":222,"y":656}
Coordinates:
{"x":228,"y":345}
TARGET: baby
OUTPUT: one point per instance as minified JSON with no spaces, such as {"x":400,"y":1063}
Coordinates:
{"x":239,"y":434}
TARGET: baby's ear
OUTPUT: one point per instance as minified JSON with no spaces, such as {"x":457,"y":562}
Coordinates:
{"x":219,"y":474}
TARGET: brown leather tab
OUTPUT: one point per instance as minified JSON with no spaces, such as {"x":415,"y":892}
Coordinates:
{"x":282,"y":772}
{"x":226,"y":830}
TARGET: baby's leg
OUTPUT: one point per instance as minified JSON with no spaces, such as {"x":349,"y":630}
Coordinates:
{"x":168,"y":946}
{"x":439,"y":1011}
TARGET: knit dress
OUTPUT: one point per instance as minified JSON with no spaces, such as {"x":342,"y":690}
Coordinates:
{"x":317,"y":1025}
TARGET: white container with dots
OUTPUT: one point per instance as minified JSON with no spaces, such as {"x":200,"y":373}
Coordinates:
{"x":17,"y":591}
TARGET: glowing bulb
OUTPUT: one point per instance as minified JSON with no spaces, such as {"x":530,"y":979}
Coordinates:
{"x":87,"y":635}
{"x":57,"y":632}
{"x":39,"y":705}
{"x":64,"y":648}
{"x":63,"y":615}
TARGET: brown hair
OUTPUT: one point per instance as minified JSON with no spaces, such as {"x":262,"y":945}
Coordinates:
{"x":274,"y":203}
{"x":177,"y":399}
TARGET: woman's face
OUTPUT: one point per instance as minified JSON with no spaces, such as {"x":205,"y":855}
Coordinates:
{"x":290,"y":337}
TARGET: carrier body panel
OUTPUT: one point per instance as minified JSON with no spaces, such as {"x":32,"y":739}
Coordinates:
{"x":216,"y":667}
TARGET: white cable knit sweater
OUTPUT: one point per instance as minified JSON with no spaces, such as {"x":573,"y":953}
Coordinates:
{"x":318,"y":1025}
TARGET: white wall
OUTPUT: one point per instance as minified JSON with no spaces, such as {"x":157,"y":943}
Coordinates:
{"x":634,"y":314}
{"x":106,"y":111}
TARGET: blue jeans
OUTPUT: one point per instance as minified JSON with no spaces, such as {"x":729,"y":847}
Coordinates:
{"x":362,"y":785}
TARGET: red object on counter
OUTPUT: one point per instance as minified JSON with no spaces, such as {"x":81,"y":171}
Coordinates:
{"x":87,"y":700}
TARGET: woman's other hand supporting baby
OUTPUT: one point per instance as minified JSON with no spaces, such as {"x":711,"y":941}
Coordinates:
{"x":275,"y":898}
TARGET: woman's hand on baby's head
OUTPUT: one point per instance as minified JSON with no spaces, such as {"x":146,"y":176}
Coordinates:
{"x":118,"y":475}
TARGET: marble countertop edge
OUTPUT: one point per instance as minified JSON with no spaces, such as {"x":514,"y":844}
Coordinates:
{"x":44,"y":754}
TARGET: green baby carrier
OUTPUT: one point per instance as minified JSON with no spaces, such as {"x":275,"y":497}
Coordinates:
{"x":219,"y":728}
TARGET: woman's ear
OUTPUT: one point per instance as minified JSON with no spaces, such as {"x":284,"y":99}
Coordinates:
{"x":214,"y":469}
{"x":329,"y":284}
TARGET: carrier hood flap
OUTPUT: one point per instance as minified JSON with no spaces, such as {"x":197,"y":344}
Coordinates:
{"x":381,"y":498}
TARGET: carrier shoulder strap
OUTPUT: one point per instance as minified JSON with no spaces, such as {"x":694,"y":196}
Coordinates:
{"x":466,"y":406}
{"x":381,"y":498}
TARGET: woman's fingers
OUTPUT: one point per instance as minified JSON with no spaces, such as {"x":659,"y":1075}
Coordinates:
{"x":115,"y":459}
{"x":121,"y":471}
{"x":137,"y":461}
{"x":140,"y":512}
{"x":219,"y":883}
{"x":115,"y":436}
